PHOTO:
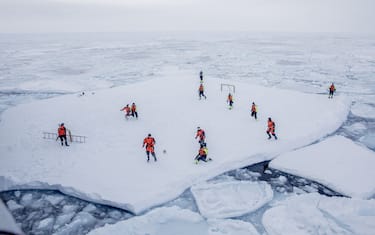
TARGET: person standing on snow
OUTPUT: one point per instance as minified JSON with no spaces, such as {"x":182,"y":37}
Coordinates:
{"x":201,"y":92}
{"x":61,"y":131}
{"x":332,"y":90}
{"x":201,"y":76}
{"x":134,"y":110}
{"x":271,"y":129}
{"x":201,"y":135}
{"x":230,"y":100}
{"x":254,"y":110}
{"x":126,"y":109}
{"x":149,"y":142}
{"x":202,"y":154}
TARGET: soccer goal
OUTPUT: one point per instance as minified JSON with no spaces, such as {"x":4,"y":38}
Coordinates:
{"x":228,"y":87}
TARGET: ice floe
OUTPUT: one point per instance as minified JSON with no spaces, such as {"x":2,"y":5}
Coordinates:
{"x":7,"y":223}
{"x":316,"y":214}
{"x":231,"y":199}
{"x":174,"y":220}
{"x":336,"y":162}
{"x":363,"y":110}
{"x":111,"y":168}
{"x":369,"y":140}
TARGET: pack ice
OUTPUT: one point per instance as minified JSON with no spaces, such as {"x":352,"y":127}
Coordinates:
{"x":229,"y":199}
{"x":111,"y":167}
{"x":316,"y":214}
{"x":174,"y":220}
{"x":336,"y":162}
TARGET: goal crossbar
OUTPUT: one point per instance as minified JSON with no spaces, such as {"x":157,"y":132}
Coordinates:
{"x":230,"y":86}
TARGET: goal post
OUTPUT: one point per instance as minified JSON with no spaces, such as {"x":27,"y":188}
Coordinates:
{"x":229,"y":87}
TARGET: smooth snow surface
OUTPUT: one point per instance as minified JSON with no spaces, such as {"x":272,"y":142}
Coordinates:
{"x":230,"y":199}
{"x":337,"y":162}
{"x":172,"y":221}
{"x":111,"y":166}
{"x":310,"y":214}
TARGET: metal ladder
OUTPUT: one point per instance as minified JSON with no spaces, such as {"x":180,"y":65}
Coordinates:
{"x":72,"y":138}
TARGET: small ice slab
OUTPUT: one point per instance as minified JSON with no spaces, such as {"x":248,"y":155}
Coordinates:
{"x":174,"y":220}
{"x":337,"y":162}
{"x":230,"y":199}
{"x":369,"y":140}
{"x":310,"y":214}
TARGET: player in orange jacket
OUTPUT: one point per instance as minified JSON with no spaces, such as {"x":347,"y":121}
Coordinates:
{"x":61,"y":131}
{"x":149,"y":142}
{"x":202,"y":154}
{"x":201,"y":135}
{"x":201,"y":92}
{"x":126,"y":109}
{"x":254,"y":111}
{"x":230,"y":100}
{"x":332,"y":90}
{"x":134,"y":110}
{"x":271,"y":129}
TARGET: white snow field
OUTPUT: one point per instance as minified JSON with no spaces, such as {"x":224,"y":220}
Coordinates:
{"x":111,"y":168}
{"x":174,"y":220}
{"x":230,"y":199}
{"x":336,"y":162}
{"x":312,"y":213}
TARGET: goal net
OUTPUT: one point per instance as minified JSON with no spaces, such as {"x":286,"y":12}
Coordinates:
{"x":227,"y":87}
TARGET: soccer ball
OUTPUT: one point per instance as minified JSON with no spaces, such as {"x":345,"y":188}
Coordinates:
{"x":164,"y":151}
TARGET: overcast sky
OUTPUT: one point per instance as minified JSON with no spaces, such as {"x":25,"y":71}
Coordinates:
{"x":166,"y":15}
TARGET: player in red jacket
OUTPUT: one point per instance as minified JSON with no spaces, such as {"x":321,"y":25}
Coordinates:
{"x":149,"y":142}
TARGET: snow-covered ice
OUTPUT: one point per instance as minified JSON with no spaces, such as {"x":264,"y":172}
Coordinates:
{"x":356,"y":128}
{"x":54,"y":200}
{"x":48,"y":85}
{"x":7,"y":223}
{"x":41,"y":66}
{"x":364,"y":110}
{"x":336,"y":162}
{"x":50,"y":212}
{"x":369,"y":140}
{"x":63,"y":219}
{"x":316,"y":214}
{"x":75,"y":226}
{"x":111,"y":167}
{"x":231,"y":198}
{"x":12,"y":205}
{"x":27,"y":199}
{"x":46,"y":224}
{"x":174,"y":220}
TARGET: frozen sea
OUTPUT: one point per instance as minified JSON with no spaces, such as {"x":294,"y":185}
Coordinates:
{"x":46,"y":65}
